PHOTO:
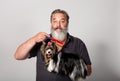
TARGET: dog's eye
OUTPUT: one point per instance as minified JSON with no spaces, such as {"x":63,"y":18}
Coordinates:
{"x":49,"y":48}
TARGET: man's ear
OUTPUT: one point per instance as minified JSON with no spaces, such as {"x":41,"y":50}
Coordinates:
{"x":42,"y":47}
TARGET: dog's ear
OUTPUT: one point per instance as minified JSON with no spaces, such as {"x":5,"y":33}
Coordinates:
{"x":42,"y":47}
{"x":55,"y":47}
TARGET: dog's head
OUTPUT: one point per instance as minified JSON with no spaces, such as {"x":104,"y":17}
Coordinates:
{"x":48,"y":50}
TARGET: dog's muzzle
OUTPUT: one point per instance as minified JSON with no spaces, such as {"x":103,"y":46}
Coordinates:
{"x":49,"y":53}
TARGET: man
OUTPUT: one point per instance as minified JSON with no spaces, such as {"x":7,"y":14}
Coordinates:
{"x":59,"y":31}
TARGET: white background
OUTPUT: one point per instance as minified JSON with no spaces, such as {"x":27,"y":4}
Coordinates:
{"x":96,"y":22}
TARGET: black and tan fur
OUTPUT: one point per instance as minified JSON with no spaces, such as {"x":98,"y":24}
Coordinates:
{"x":65,"y":63}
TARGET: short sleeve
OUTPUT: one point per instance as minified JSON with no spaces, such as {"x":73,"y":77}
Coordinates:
{"x":84,"y":54}
{"x":33,"y":52}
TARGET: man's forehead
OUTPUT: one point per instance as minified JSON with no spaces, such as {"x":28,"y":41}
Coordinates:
{"x":58,"y":15}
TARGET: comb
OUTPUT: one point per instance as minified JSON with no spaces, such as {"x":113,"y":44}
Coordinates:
{"x":58,"y":42}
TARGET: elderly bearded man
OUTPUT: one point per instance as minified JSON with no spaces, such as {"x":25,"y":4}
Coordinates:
{"x":59,"y":31}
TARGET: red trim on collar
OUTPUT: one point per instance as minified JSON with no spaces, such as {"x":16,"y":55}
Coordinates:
{"x":58,"y":41}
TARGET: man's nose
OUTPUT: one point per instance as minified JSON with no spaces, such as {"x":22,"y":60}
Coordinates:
{"x":58,"y":24}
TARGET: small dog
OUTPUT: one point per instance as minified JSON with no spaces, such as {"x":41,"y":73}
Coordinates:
{"x":65,"y":63}
{"x":48,"y":50}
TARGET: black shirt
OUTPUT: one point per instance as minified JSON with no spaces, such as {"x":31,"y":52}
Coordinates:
{"x":73,"y":45}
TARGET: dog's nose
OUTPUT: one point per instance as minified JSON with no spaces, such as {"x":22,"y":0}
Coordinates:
{"x":48,"y":51}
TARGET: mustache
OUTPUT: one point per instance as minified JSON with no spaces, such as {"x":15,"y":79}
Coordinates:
{"x":58,"y":28}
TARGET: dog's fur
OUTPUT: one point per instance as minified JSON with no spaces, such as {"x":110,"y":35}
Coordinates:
{"x":64,"y":63}
{"x":48,"y":51}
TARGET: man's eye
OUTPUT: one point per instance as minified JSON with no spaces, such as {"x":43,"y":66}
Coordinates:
{"x":62,"y":21}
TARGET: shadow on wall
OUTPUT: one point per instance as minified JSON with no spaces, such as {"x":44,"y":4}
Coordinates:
{"x":102,"y":64}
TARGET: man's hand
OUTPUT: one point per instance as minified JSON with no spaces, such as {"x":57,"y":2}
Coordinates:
{"x":89,"y":70}
{"x":41,"y":36}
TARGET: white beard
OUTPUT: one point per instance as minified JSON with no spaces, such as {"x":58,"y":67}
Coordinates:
{"x":59,"y":35}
